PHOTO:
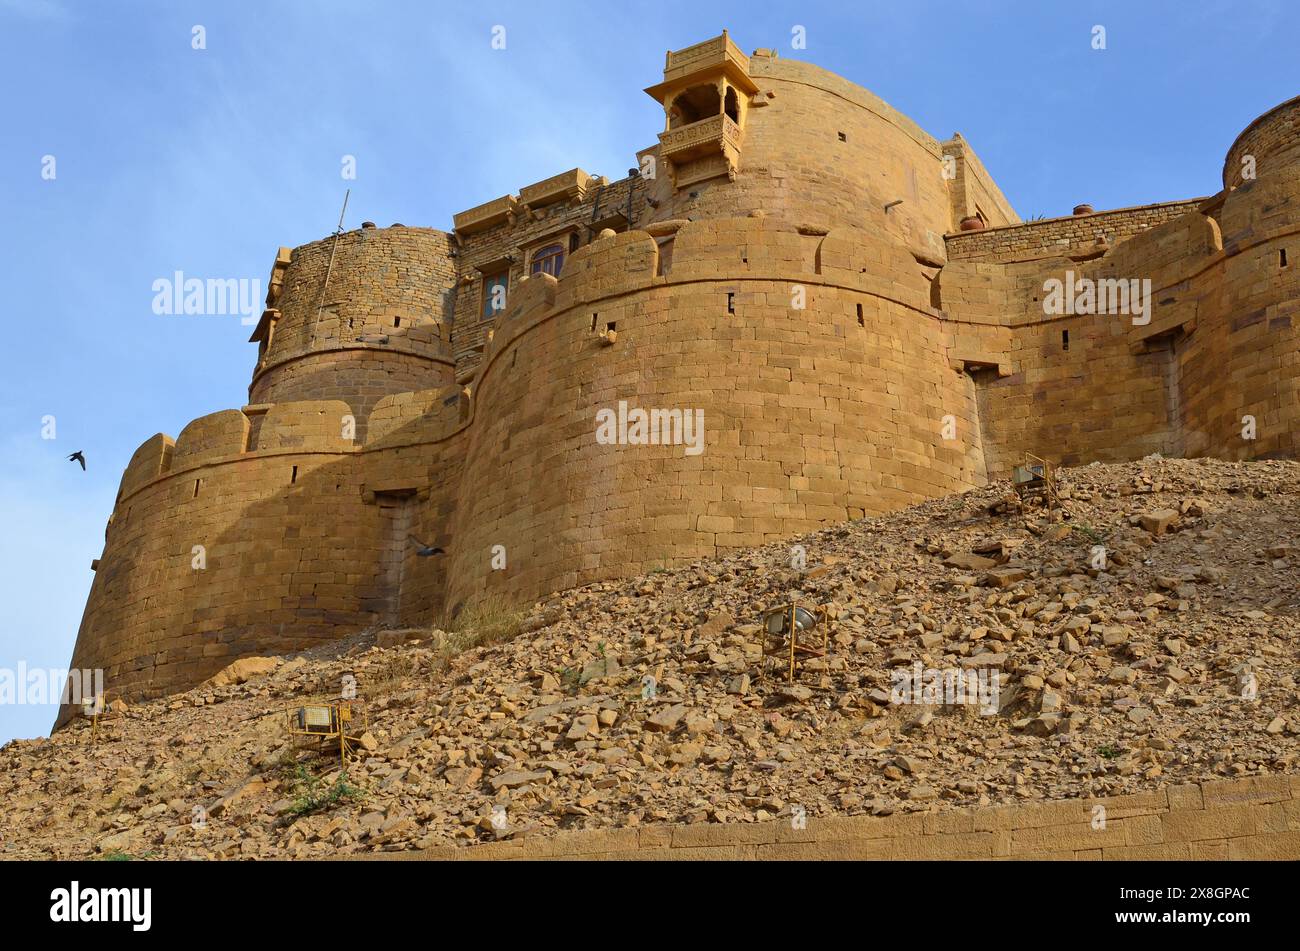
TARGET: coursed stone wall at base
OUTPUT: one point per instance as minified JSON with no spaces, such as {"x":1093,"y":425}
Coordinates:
{"x":1251,"y":818}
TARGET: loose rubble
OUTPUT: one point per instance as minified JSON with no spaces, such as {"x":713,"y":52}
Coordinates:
{"x":1147,"y":635}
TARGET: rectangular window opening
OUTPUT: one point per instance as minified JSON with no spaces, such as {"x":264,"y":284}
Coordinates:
{"x":1281,"y":257}
{"x":397,"y":321}
{"x":593,"y":322}
{"x":731,"y":302}
{"x":293,"y":476}
{"x":861,"y":320}
{"x":1065,"y":340}
{"x":196,"y":488}
{"x":495,"y":287}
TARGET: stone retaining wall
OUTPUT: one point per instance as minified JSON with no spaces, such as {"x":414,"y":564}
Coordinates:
{"x":1252,"y":818}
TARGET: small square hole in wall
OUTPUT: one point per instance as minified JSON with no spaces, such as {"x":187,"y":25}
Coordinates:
{"x":843,"y":137}
{"x":612,"y":327}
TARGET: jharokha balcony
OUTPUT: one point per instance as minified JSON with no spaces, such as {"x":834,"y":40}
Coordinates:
{"x":704,"y":137}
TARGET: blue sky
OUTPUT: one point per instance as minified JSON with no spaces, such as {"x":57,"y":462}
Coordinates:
{"x":205,"y":161}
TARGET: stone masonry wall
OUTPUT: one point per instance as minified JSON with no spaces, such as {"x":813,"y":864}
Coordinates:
{"x":795,"y":166}
{"x":380,"y":325}
{"x":811,"y":415}
{"x":824,"y":338}
{"x":1256,"y":818}
{"x":1076,"y":235}
{"x":1272,"y":140}
{"x":302,"y":539}
{"x":1222,"y":346}
{"x":601,"y":206}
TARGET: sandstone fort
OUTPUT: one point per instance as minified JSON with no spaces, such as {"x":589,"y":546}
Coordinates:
{"x":848,"y":305}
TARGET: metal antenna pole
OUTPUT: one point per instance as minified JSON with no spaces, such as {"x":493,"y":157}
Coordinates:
{"x":329,"y":269}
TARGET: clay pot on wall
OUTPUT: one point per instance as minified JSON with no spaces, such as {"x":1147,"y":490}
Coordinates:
{"x":1083,"y":209}
{"x":972,"y":223}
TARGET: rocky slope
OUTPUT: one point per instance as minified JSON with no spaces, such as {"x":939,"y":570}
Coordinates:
{"x":1146,"y":635}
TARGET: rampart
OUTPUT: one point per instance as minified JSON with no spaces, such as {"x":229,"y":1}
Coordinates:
{"x":785,"y":265}
{"x":1255,"y":818}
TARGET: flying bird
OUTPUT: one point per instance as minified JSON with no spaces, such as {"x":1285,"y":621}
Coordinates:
{"x":77,"y":456}
{"x":423,"y":550}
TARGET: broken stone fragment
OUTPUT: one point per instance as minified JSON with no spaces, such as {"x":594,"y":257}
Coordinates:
{"x":666,"y":720}
{"x":583,"y":727}
{"x":969,"y":561}
{"x":514,"y":778}
{"x":1159,"y":521}
{"x":1003,"y":577}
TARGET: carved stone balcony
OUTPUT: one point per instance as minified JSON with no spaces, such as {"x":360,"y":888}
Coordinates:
{"x":705,"y":94}
{"x":702,"y":150}
{"x":705,"y":137}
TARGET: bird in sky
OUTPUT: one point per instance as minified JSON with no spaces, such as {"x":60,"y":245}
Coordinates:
{"x":423,"y":550}
{"x":78,"y":457}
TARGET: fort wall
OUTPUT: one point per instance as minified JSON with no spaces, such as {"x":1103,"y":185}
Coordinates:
{"x":1254,"y":818}
{"x":811,"y":415}
{"x":1077,"y":236}
{"x":847,"y":358}
{"x":821,"y":151}
{"x":358,"y":318}
{"x":1272,"y":143}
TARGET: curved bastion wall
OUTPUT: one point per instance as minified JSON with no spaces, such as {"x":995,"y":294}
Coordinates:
{"x":1268,"y":147}
{"x":360,"y":318}
{"x":810,"y":415}
{"x":840,"y":367}
{"x":819,"y":150}
{"x":1211,"y":369}
{"x":216,"y":550}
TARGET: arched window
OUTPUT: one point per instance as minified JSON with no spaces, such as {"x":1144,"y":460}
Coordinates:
{"x":548,"y":260}
{"x":732,"y":107}
{"x":694,"y":104}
